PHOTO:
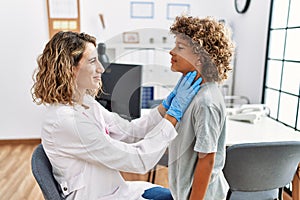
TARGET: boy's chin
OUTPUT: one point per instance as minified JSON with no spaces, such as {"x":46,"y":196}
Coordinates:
{"x":175,"y":70}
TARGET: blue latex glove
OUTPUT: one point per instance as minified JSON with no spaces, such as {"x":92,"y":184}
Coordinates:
{"x":185,"y":93}
{"x":167,"y":102}
{"x":157,"y":193}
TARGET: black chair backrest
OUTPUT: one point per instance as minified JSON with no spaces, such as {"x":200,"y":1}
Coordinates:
{"x":261,"y":166}
{"x":42,"y":172}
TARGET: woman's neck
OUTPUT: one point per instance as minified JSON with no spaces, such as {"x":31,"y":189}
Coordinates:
{"x":78,"y":97}
{"x":79,"y":101}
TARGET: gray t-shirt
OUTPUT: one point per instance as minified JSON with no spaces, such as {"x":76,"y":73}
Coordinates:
{"x":201,"y":129}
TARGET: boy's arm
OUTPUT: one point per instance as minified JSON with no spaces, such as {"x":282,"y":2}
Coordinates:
{"x":202,"y":175}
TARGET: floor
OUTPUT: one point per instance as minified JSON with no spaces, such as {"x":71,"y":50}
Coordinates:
{"x":18,"y":183}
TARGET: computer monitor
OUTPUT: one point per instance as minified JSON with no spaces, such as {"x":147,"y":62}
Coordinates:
{"x":122,"y":89}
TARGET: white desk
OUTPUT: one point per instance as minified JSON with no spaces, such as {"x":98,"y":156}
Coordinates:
{"x":265,"y":130}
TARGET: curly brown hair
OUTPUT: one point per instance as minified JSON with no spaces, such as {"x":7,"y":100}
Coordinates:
{"x":211,"y":40}
{"x":53,"y":79}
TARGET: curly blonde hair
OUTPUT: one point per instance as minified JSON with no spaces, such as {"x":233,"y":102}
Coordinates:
{"x":211,"y":40}
{"x":54,"y":81}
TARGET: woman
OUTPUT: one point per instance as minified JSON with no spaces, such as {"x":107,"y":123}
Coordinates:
{"x":87,"y":145}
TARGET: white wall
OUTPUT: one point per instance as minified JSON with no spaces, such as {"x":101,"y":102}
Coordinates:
{"x":24,"y":32}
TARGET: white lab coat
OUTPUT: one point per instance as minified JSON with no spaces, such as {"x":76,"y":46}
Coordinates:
{"x":88,"y":147}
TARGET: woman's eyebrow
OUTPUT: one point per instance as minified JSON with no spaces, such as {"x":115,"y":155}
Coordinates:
{"x":92,"y":58}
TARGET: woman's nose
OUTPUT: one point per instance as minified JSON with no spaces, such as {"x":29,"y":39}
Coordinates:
{"x":100,"y":68}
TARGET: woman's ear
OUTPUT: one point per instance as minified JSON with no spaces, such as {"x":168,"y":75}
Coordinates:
{"x":74,"y":70}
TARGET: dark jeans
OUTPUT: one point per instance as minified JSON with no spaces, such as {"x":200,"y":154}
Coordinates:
{"x":157,"y":193}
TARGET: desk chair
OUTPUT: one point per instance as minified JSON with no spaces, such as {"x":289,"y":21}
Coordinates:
{"x":260,"y":170}
{"x":42,"y":172}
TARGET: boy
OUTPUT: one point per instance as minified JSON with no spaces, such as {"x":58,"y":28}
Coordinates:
{"x":197,"y":155}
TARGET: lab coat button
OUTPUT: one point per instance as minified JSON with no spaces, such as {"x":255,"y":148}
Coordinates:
{"x":65,"y":188}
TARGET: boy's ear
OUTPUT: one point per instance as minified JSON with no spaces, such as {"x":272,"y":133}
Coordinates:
{"x":198,"y":63}
{"x":198,"y":66}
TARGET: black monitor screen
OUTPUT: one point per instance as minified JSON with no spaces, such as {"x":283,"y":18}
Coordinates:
{"x":122,"y":89}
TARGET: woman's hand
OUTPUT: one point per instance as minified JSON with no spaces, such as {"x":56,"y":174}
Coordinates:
{"x":185,"y":93}
{"x":167,"y":102}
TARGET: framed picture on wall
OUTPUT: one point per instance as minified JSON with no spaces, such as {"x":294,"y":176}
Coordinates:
{"x":142,"y":10}
{"x":175,"y":9}
{"x":131,"y":37}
